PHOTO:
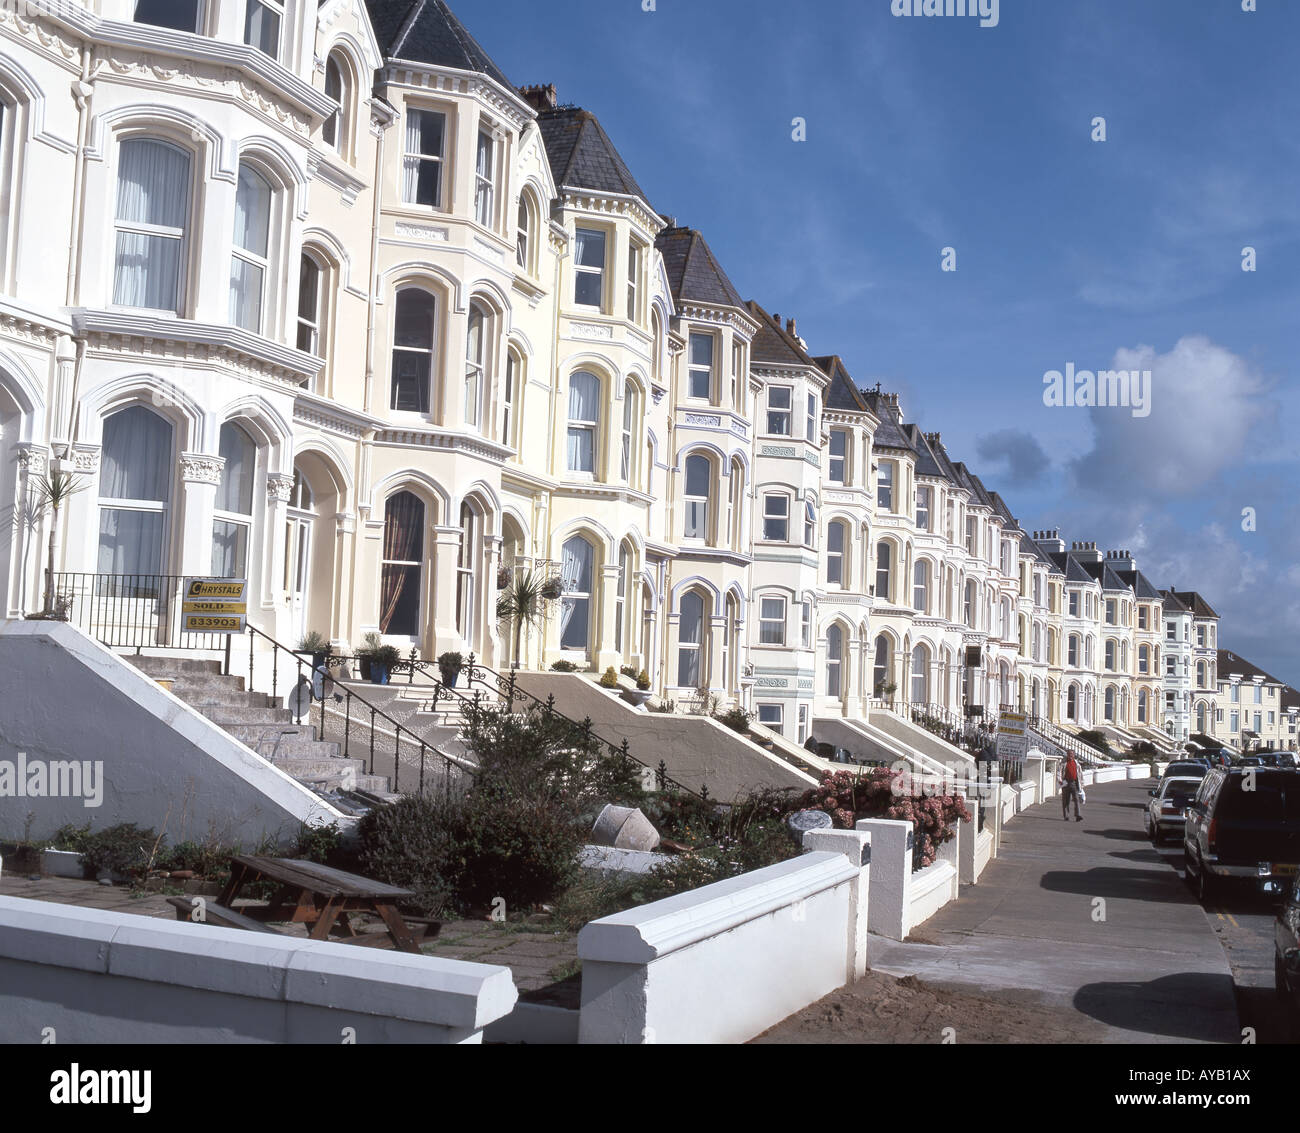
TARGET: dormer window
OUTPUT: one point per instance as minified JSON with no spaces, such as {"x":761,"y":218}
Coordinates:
{"x":589,"y":268}
{"x":179,"y":15}
{"x":262,"y":21}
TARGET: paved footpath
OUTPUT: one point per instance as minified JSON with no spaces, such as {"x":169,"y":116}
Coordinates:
{"x":1144,"y":960}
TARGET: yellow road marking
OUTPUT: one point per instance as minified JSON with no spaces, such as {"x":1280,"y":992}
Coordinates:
{"x":1234,"y":921}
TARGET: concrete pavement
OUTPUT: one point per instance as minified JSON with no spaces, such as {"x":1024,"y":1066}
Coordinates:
{"x":1084,"y":915}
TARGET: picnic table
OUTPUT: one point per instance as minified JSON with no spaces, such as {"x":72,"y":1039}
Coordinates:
{"x":323,"y":898}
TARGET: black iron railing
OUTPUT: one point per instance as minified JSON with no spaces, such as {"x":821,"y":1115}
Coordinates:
{"x":130,"y":611}
{"x":364,"y":731}
{"x":505,"y":688}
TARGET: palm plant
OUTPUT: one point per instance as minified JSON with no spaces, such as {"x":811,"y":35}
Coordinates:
{"x":54,"y":490}
{"x":523,"y":603}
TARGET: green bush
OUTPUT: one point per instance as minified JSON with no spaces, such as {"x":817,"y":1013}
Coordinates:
{"x":563,"y":666}
{"x":628,"y":671}
{"x":1095,"y":738}
{"x":413,"y":844}
{"x":609,"y":678}
{"x":70,"y":837}
{"x":737,"y":719}
{"x":643,"y":681}
{"x":122,"y":849}
{"x":317,"y":843}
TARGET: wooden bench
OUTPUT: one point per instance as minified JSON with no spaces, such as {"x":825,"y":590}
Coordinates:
{"x":217,"y":914}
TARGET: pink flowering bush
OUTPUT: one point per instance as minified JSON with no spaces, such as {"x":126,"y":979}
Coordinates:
{"x":849,"y":796}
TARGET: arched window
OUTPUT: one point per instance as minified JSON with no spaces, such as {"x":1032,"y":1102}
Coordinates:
{"x":575,"y":607}
{"x":1200,"y":674}
{"x":1072,"y":702}
{"x":466,"y":571}
{"x":921,"y":586}
{"x":233,"y":515}
{"x":834,"y":659}
{"x":620,"y":600}
{"x":1072,"y":651}
{"x":249,"y":262}
{"x":735,"y":503}
{"x":1144,"y":659}
{"x":969,"y":609}
{"x":631,"y":418}
{"x":884,"y":559}
{"x":1110,"y":654}
{"x":1200,"y":716}
{"x":334,"y":132}
{"x":153,"y":212}
{"x":809,"y":524}
{"x":837,"y":538}
{"x":584,"y":421}
{"x":920,"y":691}
{"x":689,"y":637}
{"x":699,"y":473}
{"x":1144,"y":701}
{"x":524,"y":234}
{"x":311,"y":278}
{"x":475,"y":361}
{"x":729,"y":651}
{"x":881,"y":666}
{"x":413,"y":328}
{"x":135,"y":482}
{"x":510,"y":395}
{"x":1109,"y":705}
{"x":399,"y":599}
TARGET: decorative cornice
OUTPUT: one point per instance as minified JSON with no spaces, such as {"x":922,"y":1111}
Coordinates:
{"x":201,"y":468}
{"x":611,"y":204}
{"x":321,"y":168}
{"x":32,"y":459}
{"x":725,"y":316}
{"x":181,"y":340}
{"x":85,"y":458}
{"x":467,"y":443}
{"x":591,"y":332}
{"x":452,"y":81}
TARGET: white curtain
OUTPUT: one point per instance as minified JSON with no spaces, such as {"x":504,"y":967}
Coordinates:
{"x":136,"y":460}
{"x":235,"y":493}
{"x":575,"y":570}
{"x":252,"y":234}
{"x":584,"y":418}
{"x":153,"y":188}
{"x":688,"y":656}
{"x":130,"y":542}
{"x":229,"y":549}
{"x":421,"y":183}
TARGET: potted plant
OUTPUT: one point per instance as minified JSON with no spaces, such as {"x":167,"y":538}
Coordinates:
{"x":317,"y":645}
{"x":552,"y":589}
{"x":382,"y":662}
{"x":609,"y":678}
{"x":503,"y":576}
{"x":52,"y":492}
{"x":449,"y":667}
{"x":370,"y":645}
{"x":522,"y":602}
{"x":642,"y":693}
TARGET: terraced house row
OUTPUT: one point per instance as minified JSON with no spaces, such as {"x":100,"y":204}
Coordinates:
{"x":342,"y":311}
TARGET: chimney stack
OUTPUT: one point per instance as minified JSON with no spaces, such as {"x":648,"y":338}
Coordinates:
{"x":539,"y":97}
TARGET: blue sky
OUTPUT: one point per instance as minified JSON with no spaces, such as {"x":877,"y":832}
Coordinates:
{"x":925,"y":133}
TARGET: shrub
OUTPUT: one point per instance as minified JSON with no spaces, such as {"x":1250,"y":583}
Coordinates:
{"x":628,"y":671}
{"x":737,"y":719}
{"x":449,"y":665}
{"x":314,"y":642}
{"x":564,"y":667}
{"x":70,"y":837}
{"x":849,"y":796}
{"x":609,"y":678}
{"x":386,"y":656}
{"x":317,"y":843}
{"x":413,"y":844}
{"x":643,"y":681}
{"x":370,"y":643}
{"x":1143,"y":748}
{"x":123,"y":849}
{"x":1094,"y":737}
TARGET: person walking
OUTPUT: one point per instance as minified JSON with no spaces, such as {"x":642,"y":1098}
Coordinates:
{"x":1070,"y":781}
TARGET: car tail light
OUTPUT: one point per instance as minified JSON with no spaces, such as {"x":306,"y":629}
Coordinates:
{"x":1212,"y":833}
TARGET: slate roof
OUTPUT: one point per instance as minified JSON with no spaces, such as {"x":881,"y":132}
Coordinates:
{"x":1071,"y":567}
{"x":774,"y":343}
{"x":1138,"y":582}
{"x":1231,"y":663}
{"x":694,"y":273}
{"x":426,"y":31}
{"x":1171,"y":603}
{"x":889,"y":433}
{"x":1000,"y":506}
{"x":1028,"y":546}
{"x":926,"y":464}
{"x":582,"y":155}
{"x":1198,"y":605}
{"x":841,"y":392}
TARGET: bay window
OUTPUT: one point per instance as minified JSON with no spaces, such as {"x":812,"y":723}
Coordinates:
{"x":778,"y":411}
{"x":811,"y":434}
{"x":575,"y":605}
{"x":884,"y":570}
{"x":584,"y":421}
{"x":924,"y":496}
{"x":484,"y":183}
{"x":633,"y":279}
{"x":836,"y":539}
{"x":839,"y":456}
{"x":153,"y":209}
{"x":248,"y":268}
{"x":333,"y":131}
{"x":689,"y":636}
{"x":422,"y":163}
{"x":413,"y":328}
{"x":699,"y":382}
{"x":809,"y":524}
{"x":834,"y":658}
{"x":589,"y":268}
{"x":233,"y":515}
{"x":475,"y":348}
{"x":698,"y":475}
{"x":179,"y":15}
{"x":772,"y":717}
{"x":310,"y":278}
{"x":135,"y":480}
{"x":885,"y":486}
{"x":771,"y":621}
{"x":776,"y":518}
{"x":402,"y":567}
{"x":262,"y":20}
{"x":805,"y":625}
{"x":921,"y":586}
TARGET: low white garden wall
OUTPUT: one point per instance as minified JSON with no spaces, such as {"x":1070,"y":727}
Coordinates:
{"x":96,"y":976}
{"x":724,"y":963}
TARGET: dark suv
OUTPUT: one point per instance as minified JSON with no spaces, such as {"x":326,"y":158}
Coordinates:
{"x":1244,"y":824}
{"x":1286,"y":951}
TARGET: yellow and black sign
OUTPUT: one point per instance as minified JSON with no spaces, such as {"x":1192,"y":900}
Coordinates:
{"x":214,"y":605}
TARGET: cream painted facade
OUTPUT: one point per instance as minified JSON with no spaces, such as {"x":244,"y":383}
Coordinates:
{"x":349,"y":320}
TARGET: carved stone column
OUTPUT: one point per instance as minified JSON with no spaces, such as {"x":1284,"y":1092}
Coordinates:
{"x":200,"y":476}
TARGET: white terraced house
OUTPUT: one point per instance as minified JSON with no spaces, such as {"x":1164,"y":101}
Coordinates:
{"x":342,"y":312}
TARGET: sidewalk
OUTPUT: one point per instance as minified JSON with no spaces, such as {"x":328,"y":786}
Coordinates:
{"x":1145,"y":963}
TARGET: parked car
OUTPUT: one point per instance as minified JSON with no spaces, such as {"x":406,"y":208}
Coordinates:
{"x":1286,"y":954}
{"x":1184,"y":769}
{"x":1244,"y":828}
{"x":1164,"y":813}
